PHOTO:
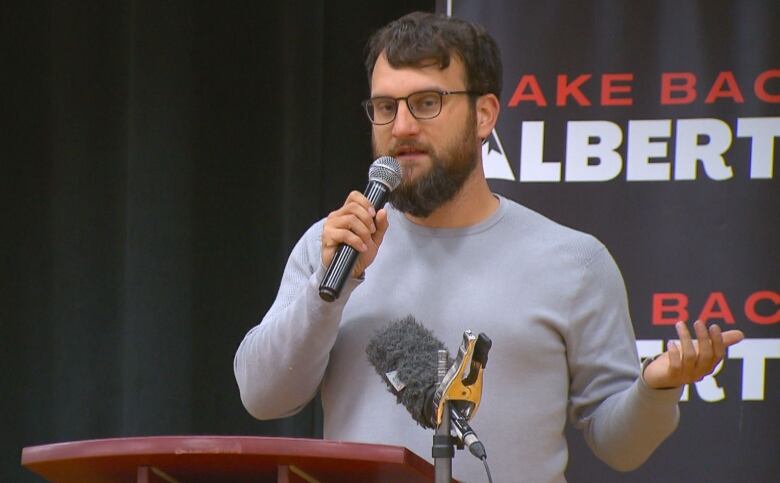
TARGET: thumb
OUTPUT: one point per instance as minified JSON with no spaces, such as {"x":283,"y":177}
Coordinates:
{"x":381,"y":226}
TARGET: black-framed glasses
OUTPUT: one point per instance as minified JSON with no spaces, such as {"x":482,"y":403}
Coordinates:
{"x":422,"y":105}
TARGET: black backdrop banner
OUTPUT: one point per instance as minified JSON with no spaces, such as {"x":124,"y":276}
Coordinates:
{"x":653,"y":126}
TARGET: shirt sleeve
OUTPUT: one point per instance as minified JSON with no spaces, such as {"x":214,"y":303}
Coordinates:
{"x":623,"y":420}
{"x":281,"y":361}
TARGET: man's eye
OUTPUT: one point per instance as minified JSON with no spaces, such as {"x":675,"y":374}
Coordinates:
{"x":384,"y":106}
{"x":427,"y":101}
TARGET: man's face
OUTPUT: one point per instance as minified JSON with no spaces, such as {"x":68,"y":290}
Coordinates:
{"x":437,"y":155}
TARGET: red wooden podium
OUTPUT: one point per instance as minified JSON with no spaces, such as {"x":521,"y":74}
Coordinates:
{"x":186,"y":459}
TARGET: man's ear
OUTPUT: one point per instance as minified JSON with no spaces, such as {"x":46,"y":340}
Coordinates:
{"x":488,"y":108}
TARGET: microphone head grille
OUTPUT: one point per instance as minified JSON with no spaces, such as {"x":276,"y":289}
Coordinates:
{"x":387,"y":171}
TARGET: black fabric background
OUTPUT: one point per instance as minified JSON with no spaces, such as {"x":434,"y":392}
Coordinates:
{"x":159,"y":161}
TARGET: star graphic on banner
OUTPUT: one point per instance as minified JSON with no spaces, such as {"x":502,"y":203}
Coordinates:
{"x":494,"y":160}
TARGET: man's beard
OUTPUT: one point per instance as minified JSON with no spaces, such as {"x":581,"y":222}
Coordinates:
{"x":448,"y":172}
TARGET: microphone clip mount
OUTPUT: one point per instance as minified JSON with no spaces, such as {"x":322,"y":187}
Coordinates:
{"x":462,"y":385}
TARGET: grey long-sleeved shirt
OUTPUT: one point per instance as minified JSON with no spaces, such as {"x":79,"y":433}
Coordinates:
{"x":551,"y":299}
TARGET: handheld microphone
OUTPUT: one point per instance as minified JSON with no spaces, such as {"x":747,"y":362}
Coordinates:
{"x":404,"y":354}
{"x":384,"y":176}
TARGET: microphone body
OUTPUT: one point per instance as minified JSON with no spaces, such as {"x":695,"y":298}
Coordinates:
{"x":383,"y":177}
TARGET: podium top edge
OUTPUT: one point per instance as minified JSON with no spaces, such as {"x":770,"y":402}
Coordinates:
{"x":235,"y":445}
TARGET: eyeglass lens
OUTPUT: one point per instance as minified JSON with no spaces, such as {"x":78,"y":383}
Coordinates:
{"x":422,"y":105}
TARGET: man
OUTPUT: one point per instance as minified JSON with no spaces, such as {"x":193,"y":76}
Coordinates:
{"x":456,"y":256}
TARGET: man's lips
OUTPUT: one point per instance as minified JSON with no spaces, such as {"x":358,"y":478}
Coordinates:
{"x":409,"y":152}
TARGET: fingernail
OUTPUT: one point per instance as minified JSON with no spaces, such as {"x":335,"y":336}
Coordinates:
{"x":372,"y":211}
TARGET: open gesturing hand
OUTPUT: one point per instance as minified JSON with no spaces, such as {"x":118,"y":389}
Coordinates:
{"x":687,"y":361}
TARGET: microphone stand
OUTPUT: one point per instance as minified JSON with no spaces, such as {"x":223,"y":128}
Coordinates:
{"x":443,"y":444}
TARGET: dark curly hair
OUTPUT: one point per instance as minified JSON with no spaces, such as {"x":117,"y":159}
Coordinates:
{"x":419,"y":38}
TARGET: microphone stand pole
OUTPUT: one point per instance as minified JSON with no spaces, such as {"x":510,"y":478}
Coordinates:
{"x":443,"y":444}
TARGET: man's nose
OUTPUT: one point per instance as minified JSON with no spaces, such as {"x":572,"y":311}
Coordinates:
{"x":405,"y":124}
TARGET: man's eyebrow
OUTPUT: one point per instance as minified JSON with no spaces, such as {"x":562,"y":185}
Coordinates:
{"x":424,"y":89}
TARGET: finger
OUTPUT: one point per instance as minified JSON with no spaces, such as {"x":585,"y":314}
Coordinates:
{"x":360,"y":199}
{"x":338,"y":236}
{"x":358,"y":210}
{"x":687,"y":350}
{"x":355,"y":204}
{"x":675,"y":360}
{"x":353,"y":223}
{"x":353,"y":216}
{"x":718,"y":346}
{"x":337,"y":231}
{"x":705,"y":356}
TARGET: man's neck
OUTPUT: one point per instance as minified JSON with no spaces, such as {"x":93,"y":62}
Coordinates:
{"x":473,"y":203}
